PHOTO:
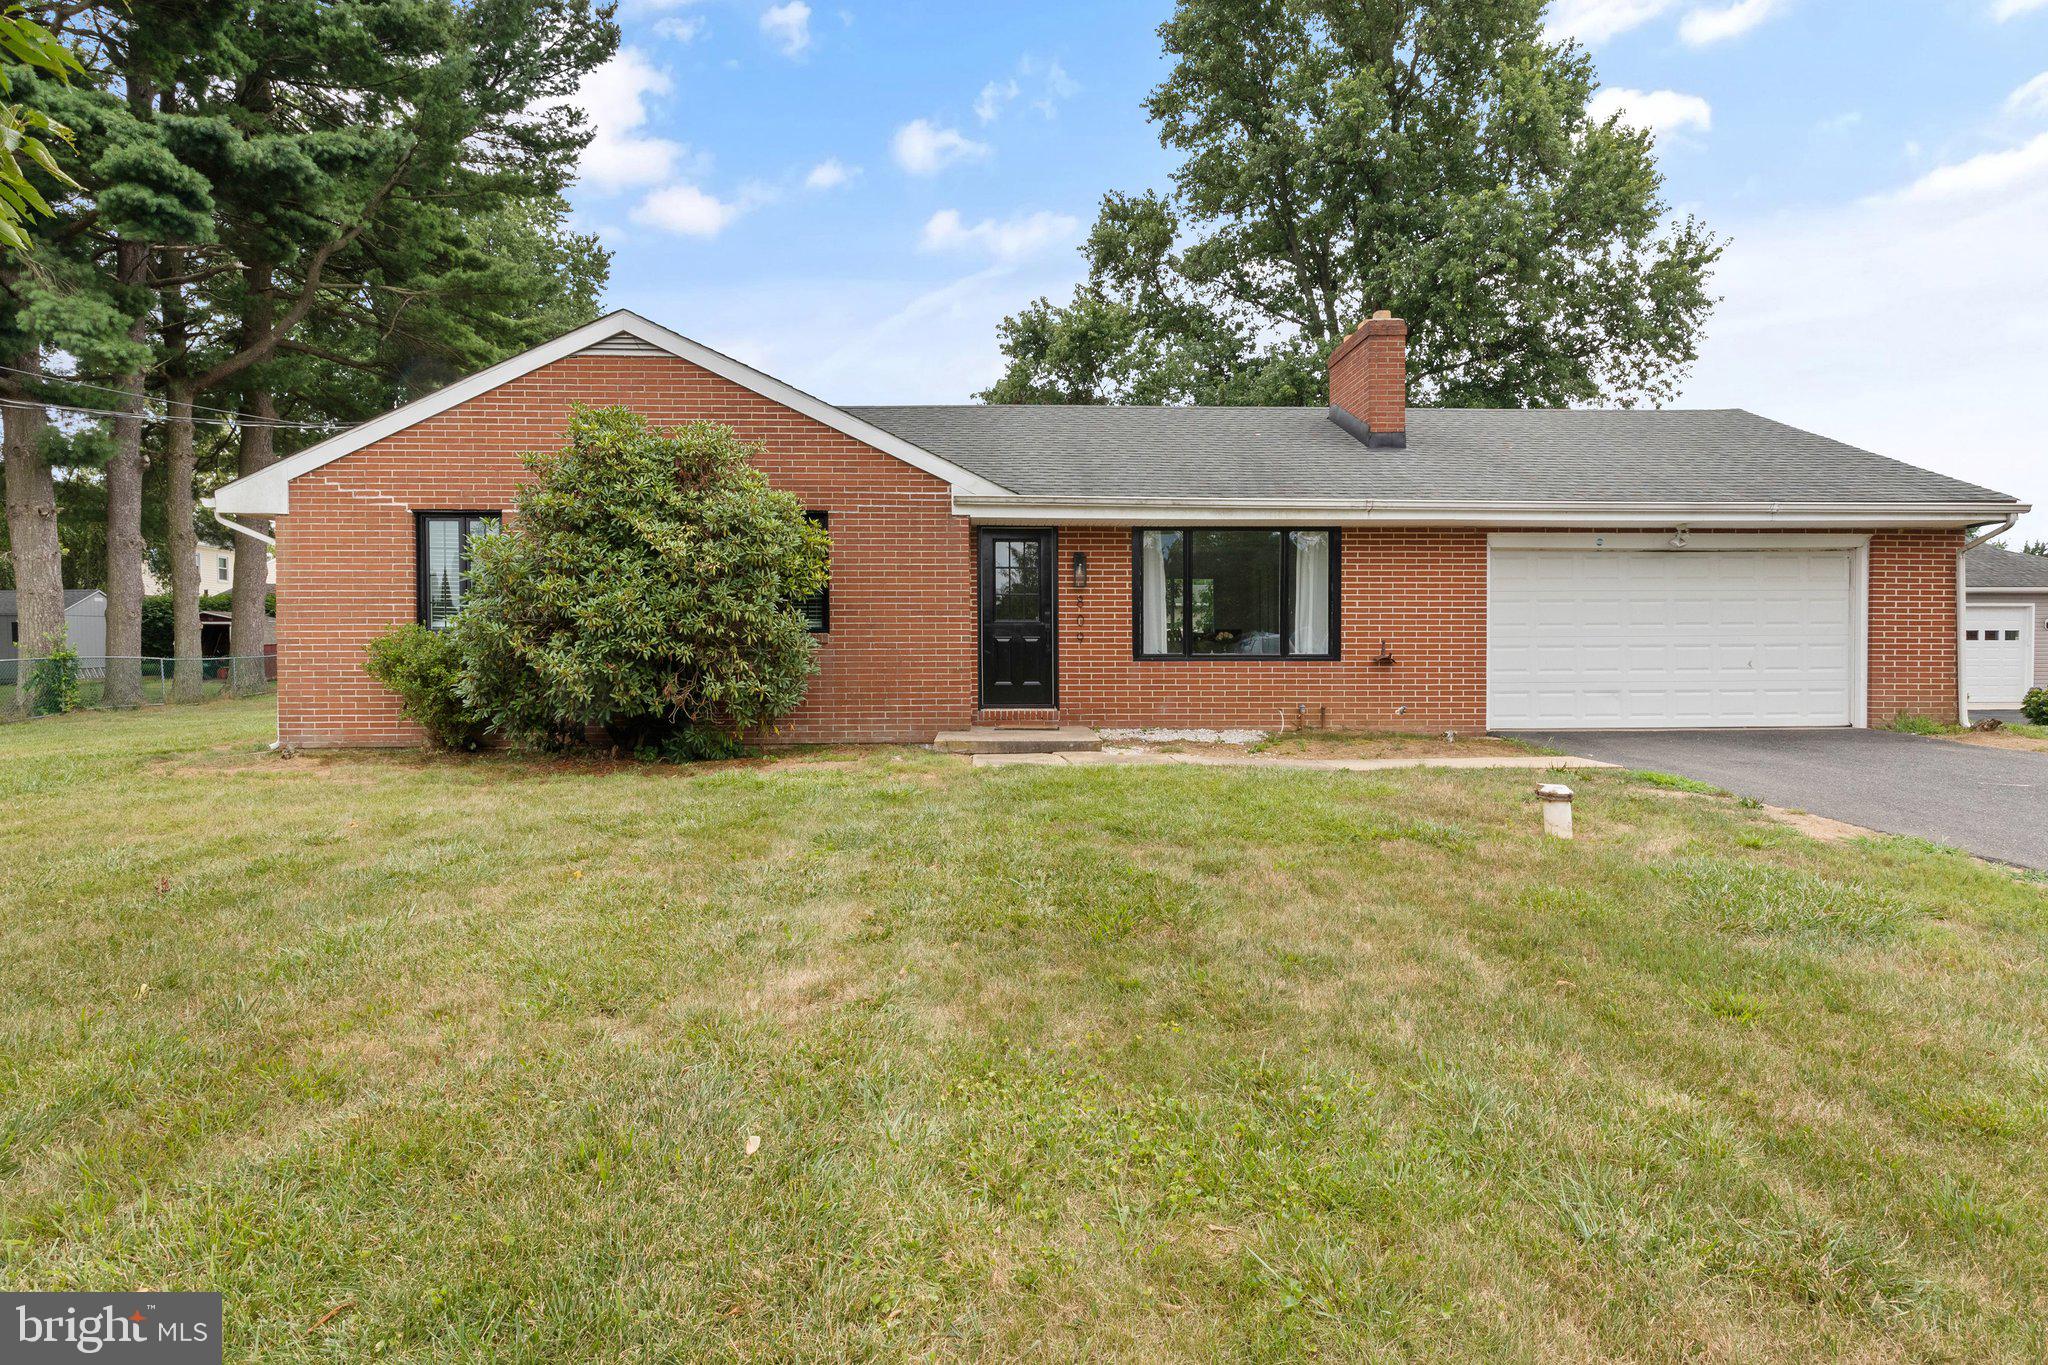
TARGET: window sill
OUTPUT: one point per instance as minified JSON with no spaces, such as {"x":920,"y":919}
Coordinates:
{"x":1237,"y":658}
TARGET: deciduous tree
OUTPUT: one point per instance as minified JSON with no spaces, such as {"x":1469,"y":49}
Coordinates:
{"x":1435,"y":157}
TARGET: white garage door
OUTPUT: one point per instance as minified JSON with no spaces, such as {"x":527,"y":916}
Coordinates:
{"x":1998,"y":654}
{"x":1620,"y":639}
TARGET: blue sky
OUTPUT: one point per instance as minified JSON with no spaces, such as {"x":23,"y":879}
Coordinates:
{"x":852,"y":195}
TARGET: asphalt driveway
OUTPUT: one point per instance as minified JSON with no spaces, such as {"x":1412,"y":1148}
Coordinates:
{"x":1993,"y":802}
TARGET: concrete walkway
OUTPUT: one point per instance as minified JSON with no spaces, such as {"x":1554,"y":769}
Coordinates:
{"x":1098,"y":758}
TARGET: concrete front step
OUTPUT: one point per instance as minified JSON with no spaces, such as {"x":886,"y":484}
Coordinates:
{"x":989,"y":739}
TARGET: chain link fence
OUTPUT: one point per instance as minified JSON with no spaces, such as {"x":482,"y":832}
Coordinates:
{"x":46,"y":687}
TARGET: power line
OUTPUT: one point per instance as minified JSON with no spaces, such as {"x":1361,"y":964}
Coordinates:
{"x":229,"y":423}
{"x":239,"y":419}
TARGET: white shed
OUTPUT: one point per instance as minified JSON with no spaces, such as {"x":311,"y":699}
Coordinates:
{"x":85,"y":624}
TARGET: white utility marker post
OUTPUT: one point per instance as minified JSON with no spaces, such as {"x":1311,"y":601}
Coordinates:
{"x":1557,"y":809}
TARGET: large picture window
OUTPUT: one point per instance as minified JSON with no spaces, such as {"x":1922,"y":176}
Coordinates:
{"x":1232,"y":592}
{"x":444,"y":539}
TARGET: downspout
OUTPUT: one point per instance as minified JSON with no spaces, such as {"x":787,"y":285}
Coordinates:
{"x":237,"y":527}
{"x":1962,"y":610}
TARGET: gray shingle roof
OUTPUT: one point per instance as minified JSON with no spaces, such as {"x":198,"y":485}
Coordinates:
{"x":1991,"y":567}
{"x":1453,"y":455}
{"x":72,"y":597}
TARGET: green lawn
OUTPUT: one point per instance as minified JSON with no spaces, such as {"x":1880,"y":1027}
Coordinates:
{"x":1046,"y":1063}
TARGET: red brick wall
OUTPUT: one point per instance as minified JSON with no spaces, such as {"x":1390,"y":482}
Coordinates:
{"x":1913,"y":624}
{"x":898,"y":664}
{"x":900,"y":661}
{"x":1421,"y":590}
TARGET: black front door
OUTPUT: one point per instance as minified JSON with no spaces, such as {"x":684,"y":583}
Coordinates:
{"x":1017,"y":573}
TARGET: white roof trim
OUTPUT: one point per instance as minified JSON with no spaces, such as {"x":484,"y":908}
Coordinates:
{"x":1412,"y":512}
{"x":268,"y":494}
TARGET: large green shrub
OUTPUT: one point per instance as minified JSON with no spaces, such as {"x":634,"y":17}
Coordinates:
{"x":650,"y":587}
{"x":424,"y":667}
{"x":2035,"y":706}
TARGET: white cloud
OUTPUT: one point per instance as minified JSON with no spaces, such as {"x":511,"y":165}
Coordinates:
{"x":680,"y":29}
{"x":1861,"y":319}
{"x":1012,"y":240}
{"x":2031,"y":98}
{"x":788,"y":26}
{"x":613,"y":99}
{"x":1059,"y":87}
{"x":688,"y":211}
{"x":830,"y":174}
{"x":1704,"y":26}
{"x":1660,"y":111}
{"x":1049,"y":82}
{"x":2003,"y":10}
{"x":993,"y":97}
{"x":921,"y":147}
{"x":1595,"y":21}
{"x":1987,"y":174}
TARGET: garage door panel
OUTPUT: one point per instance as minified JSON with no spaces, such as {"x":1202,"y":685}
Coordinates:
{"x":1998,"y":644}
{"x":1701,"y":638}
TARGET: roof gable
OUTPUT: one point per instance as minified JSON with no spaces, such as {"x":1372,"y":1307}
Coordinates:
{"x":268,"y":493}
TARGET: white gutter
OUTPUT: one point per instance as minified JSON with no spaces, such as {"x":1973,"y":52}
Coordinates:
{"x":1963,"y":608}
{"x":237,"y":526}
{"x":1412,"y":512}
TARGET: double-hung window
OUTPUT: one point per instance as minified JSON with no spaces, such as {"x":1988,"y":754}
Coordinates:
{"x":444,"y":560}
{"x":1236,"y":592}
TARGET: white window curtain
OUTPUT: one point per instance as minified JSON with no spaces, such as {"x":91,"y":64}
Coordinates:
{"x":1155,"y":593}
{"x":1311,"y":592}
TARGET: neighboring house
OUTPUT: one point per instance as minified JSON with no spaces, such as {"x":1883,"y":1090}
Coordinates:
{"x":1364,"y":565}
{"x":2005,"y":626}
{"x":216,"y":571}
{"x":85,"y":624}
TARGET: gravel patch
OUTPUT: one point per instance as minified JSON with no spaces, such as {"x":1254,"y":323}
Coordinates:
{"x":1144,"y":736}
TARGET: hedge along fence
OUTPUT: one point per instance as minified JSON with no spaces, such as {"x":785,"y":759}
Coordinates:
{"x":65,"y":682}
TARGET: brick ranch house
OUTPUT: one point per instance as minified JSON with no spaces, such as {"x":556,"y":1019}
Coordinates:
{"x":1370,"y":565}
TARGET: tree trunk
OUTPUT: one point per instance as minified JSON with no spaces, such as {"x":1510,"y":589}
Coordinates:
{"x":181,"y":465}
{"x":252,"y":559}
{"x":124,"y":550}
{"x":32,"y":534}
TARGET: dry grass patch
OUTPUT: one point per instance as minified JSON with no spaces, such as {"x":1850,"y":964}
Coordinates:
{"x":2031,"y":739}
{"x":1388,"y":744}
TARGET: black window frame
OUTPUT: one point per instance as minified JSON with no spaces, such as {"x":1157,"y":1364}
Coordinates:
{"x":1287,"y":653}
{"x":423,"y":604}
{"x":823,"y":521}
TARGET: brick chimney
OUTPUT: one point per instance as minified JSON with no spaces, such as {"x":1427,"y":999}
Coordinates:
{"x":1369,"y":382}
